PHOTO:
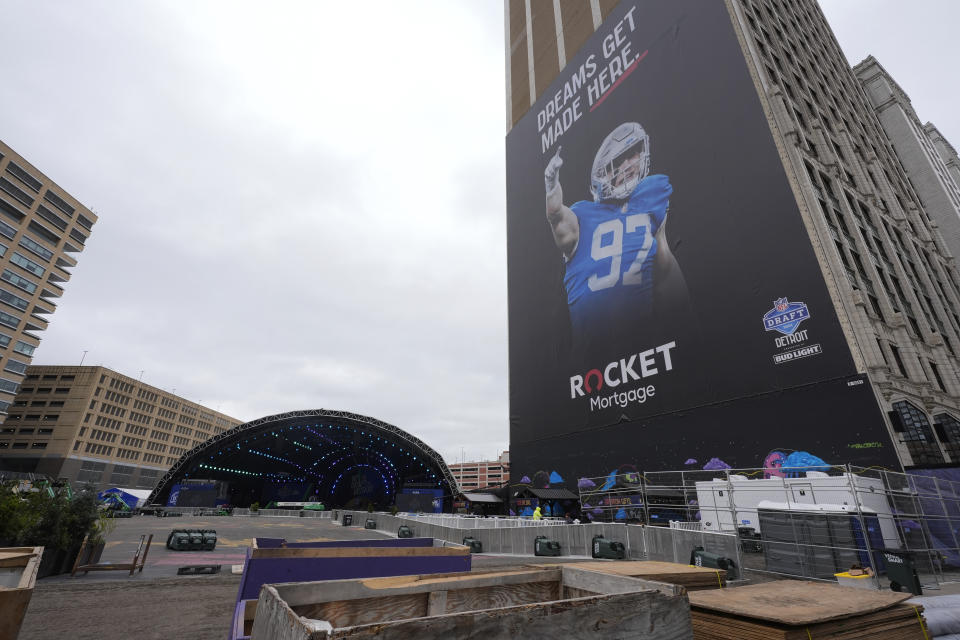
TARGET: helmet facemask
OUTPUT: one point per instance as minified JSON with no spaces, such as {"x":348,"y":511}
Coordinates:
{"x":621,"y":163}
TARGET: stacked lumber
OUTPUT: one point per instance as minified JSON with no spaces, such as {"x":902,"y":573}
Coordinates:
{"x":799,"y":610}
{"x":688,"y":576}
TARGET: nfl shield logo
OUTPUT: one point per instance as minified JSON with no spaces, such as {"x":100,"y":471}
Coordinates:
{"x":785,"y":317}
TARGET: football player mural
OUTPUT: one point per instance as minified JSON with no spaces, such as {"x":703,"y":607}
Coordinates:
{"x":618,"y":263}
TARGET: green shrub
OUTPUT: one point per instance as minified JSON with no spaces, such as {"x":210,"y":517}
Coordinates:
{"x":46,"y":517}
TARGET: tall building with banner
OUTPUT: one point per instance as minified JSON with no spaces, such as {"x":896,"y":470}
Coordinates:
{"x":714,"y":255}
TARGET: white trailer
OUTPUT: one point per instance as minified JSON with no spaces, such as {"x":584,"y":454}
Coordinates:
{"x":726,"y":504}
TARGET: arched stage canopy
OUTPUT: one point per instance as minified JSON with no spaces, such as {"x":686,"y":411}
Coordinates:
{"x":336,"y":457}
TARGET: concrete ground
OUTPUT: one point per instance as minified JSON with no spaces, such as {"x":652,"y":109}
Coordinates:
{"x":110,"y":605}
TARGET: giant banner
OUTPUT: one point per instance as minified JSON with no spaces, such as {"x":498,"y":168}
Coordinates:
{"x":659,"y":269}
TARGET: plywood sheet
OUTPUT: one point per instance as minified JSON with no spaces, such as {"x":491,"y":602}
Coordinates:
{"x":795,"y":602}
{"x":672,"y":572}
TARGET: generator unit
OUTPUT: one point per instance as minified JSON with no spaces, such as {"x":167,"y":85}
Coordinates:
{"x":370,"y":524}
{"x":610,"y":549}
{"x":544,"y":546}
{"x":475,"y":545}
{"x":404,"y":532}
{"x":192,"y":540}
{"x":701,"y":558}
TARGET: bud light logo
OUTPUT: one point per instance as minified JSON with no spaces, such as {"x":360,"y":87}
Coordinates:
{"x":785,"y":316}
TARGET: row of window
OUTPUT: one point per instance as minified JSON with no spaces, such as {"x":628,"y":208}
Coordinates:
{"x":23,"y":445}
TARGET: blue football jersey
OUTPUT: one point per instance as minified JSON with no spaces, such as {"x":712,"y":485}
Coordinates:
{"x":610,"y":273}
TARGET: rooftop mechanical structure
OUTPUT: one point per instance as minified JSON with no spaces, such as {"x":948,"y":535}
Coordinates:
{"x":335,"y":457}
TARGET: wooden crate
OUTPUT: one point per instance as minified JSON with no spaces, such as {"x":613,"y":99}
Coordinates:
{"x":555,"y":603}
{"x":18,"y":575}
{"x":274,"y":560}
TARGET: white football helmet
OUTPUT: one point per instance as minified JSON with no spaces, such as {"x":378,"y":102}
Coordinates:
{"x":607,"y":181}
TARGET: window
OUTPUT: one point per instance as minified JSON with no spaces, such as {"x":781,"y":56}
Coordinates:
{"x":19,"y":445}
{"x":24,"y":348}
{"x":896,"y":356}
{"x":13,"y":300}
{"x":7,"y":230}
{"x":16,"y":192}
{"x":9,"y":386}
{"x":9,"y":320}
{"x":28,"y":264}
{"x":917,"y":434}
{"x":35,"y":247}
{"x":38,"y":445}
{"x":52,"y":218}
{"x":79,"y":237}
{"x":58,"y":202}
{"x":91,"y":471}
{"x":14,"y":366}
{"x":24,"y":177}
{"x":17,"y":281}
{"x":936,"y":375}
{"x":948,"y":430}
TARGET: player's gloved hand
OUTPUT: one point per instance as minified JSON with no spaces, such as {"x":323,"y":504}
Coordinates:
{"x":552,"y":173}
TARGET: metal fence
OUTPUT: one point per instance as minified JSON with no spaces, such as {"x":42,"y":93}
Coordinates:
{"x":283,"y":513}
{"x":476,"y":522}
{"x":640,"y":542}
{"x":811,"y":522}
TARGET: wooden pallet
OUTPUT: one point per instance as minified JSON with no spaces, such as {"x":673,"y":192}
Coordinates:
{"x":139,"y":559}
{"x":798,"y":610}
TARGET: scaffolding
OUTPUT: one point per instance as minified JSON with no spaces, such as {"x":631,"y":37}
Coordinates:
{"x":809,"y":522}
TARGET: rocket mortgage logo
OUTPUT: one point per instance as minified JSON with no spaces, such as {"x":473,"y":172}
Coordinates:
{"x":626,"y":371}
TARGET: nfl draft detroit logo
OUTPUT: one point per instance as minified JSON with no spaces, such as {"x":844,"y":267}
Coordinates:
{"x":785,"y":319}
{"x":785,"y":316}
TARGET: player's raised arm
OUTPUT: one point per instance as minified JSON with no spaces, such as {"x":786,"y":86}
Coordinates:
{"x":563,"y":222}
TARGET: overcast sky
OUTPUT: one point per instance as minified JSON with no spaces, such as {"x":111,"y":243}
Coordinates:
{"x":302,"y":203}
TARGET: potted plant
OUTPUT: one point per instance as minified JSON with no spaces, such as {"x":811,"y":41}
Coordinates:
{"x":254,"y":508}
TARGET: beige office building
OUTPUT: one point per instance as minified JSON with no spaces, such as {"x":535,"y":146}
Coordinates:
{"x":883,"y":256}
{"x":43,"y":228}
{"x":92,"y":424}
{"x":482,"y":474}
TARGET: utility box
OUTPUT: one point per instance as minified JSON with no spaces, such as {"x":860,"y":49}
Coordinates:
{"x":370,"y":524}
{"x":901,"y":572}
{"x":544,"y":546}
{"x":610,"y":549}
{"x":701,"y":558}
{"x":404,"y":532}
{"x":347,"y":519}
{"x":475,"y":545}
